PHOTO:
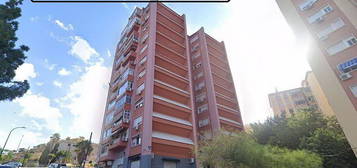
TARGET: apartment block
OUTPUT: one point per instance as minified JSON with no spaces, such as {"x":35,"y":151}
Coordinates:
{"x":329,"y":27}
{"x":151,"y":118}
{"x":288,"y":102}
{"x":320,"y":97}
{"x":213,"y":88}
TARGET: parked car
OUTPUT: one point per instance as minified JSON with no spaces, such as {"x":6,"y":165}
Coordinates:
{"x":5,"y":166}
{"x":13,"y":164}
{"x":57,"y":165}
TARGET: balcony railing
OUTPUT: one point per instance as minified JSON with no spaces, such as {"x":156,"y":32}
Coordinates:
{"x":129,"y":26}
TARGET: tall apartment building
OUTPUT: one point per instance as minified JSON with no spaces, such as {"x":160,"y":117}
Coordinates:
{"x":151,"y":118}
{"x":213,"y":88}
{"x":329,"y":26}
{"x":320,"y":97}
{"x":291,"y":101}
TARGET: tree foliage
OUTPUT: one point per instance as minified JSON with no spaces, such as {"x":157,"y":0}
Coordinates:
{"x":241,"y":150}
{"x":11,"y":57}
{"x":49,"y":153}
{"x":308,"y":130}
{"x":83,"y":147}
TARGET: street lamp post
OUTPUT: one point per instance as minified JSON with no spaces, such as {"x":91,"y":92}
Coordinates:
{"x":3,"y":148}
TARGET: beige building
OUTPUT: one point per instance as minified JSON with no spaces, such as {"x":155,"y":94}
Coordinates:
{"x":329,"y":27}
{"x":320,"y":97}
{"x":290,"y":101}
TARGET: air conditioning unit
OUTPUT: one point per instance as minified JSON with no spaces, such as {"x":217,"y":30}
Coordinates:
{"x":136,"y":127}
{"x":345,"y":76}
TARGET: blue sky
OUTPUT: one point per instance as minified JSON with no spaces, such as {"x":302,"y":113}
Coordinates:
{"x":71,"y":52}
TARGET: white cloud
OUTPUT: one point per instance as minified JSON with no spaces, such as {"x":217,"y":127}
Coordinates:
{"x":48,"y":65}
{"x":25,"y":72}
{"x":34,"y":18}
{"x":263,"y":51}
{"x":57,"y":83}
{"x":109,"y":53}
{"x":77,"y":68}
{"x":36,"y":125}
{"x":39,"y":107}
{"x":80,"y":48}
{"x":30,"y":139}
{"x":64,"y":72}
{"x":63,"y":26}
{"x":86,"y":99}
{"x":39,"y":83}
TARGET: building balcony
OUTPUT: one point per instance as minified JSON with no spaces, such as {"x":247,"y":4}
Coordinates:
{"x":107,"y":156}
{"x":121,"y":124}
{"x":120,"y":127}
{"x":129,"y":58}
{"x":133,"y":24}
{"x":119,"y":143}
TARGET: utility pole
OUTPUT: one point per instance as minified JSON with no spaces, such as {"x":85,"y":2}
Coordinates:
{"x":18,"y":146}
{"x":87,"y":150}
{"x":3,"y":148}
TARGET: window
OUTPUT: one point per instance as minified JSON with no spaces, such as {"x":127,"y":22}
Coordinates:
{"x":137,"y":122}
{"x":107,"y":133}
{"x":145,"y":28}
{"x":352,"y":41}
{"x":342,"y":45}
{"x":136,"y":141}
{"x":196,"y":55}
{"x":197,"y":76}
{"x":144,"y":38}
{"x":203,"y":123}
{"x":195,"y":48}
{"x":139,"y":103}
{"x":318,"y":17}
{"x":135,"y":164}
{"x":143,"y":49}
{"x":354,"y":90}
{"x":122,"y":101}
{"x":194,"y":38}
{"x":126,"y":86}
{"x":140,"y":89}
{"x":200,"y":98}
{"x":141,"y":74}
{"x":198,"y":65}
{"x":109,"y":118}
{"x":142,"y":61}
{"x":170,"y":164}
{"x":348,"y":66}
{"x":330,"y":29}
{"x":202,"y":108}
{"x":200,"y":86}
{"x":111,"y":105}
{"x":307,"y":5}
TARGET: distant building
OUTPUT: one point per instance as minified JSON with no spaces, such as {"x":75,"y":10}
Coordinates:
{"x":290,"y":101}
{"x":320,"y":97}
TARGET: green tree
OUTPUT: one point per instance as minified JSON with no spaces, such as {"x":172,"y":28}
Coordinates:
{"x":50,"y":150}
{"x":8,"y":157}
{"x":82,"y":148}
{"x":308,"y":130}
{"x":11,"y":57}
{"x":241,"y":150}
